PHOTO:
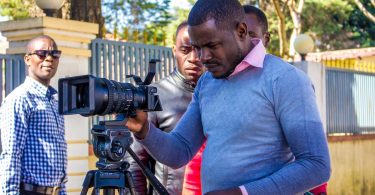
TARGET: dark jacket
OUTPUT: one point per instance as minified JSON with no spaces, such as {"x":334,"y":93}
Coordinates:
{"x":175,"y":95}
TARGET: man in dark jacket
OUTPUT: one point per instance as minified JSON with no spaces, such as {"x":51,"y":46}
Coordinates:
{"x":175,"y":93}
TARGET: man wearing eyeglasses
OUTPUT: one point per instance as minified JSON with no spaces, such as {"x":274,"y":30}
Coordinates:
{"x":34,"y":151}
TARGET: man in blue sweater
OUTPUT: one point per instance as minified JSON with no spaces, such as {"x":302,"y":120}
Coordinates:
{"x":257,"y":112}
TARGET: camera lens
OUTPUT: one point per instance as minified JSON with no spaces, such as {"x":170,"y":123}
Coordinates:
{"x":82,"y":96}
{"x":88,"y":95}
{"x":122,"y":97}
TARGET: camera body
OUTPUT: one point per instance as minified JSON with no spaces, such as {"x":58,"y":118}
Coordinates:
{"x":88,"y":95}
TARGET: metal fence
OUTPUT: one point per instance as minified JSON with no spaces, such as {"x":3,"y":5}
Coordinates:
{"x":12,"y":73}
{"x":350,"y":97}
{"x":114,"y":59}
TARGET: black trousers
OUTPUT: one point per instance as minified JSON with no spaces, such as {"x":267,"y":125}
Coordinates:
{"x":23,"y":192}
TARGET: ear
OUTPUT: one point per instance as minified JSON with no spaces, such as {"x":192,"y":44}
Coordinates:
{"x":242,"y":30}
{"x":174,"y":48}
{"x":267,"y":38}
{"x":27,"y":59}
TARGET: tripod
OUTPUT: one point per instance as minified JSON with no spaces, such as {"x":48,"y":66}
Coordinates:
{"x":88,"y":96}
{"x":111,"y":141}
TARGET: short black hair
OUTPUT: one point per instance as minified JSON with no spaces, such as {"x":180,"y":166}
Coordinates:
{"x":226,"y":13}
{"x":261,"y":17}
{"x":182,"y":25}
{"x":30,"y":44}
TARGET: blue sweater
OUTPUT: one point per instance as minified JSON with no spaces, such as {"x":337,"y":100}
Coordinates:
{"x":262,"y":127}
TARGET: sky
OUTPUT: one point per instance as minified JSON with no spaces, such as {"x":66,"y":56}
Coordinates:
{"x":3,"y":18}
{"x":179,"y":3}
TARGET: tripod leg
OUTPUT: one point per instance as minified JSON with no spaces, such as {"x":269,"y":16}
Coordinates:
{"x":96,"y":191}
{"x":88,"y":182}
{"x":121,"y":191}
{"x":109,"y":191}
{"x":130,"y":183}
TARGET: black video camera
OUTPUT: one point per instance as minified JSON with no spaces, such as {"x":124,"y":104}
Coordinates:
{"x":88,"y":95}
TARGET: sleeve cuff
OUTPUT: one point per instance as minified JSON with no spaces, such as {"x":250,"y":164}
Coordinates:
{"x":148,"y":132}
{"x":243,"y":190}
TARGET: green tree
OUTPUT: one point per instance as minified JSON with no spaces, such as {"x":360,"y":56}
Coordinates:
{"x":280,"y":10}
{"x":179,"y":15}
{"x":367,"y":8}
{"x":14,"y":10}
{"x":87,"y":11}
{"x":337,"y":24}
{"x":135,"y":15}
{"x":362,"y":27}
{"x":334,"y":24}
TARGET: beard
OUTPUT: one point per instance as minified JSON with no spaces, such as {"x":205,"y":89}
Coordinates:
{"x":238,"y":57}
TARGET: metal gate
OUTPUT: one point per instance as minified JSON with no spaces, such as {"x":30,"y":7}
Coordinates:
{"x":350,"y":102}
{"x":115,"y":59}
{"x":12,"y":73}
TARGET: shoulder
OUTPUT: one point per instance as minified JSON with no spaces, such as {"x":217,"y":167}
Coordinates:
{"x":19,"y":94}
{"x":162,"y":81}
{"x":276,"y":65}
{"x":18,"y":99}
{"x":164,"y":84}
{"x":276,"y":68}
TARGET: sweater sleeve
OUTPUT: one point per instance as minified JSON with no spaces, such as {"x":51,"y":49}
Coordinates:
{"x":177,"y":148}
{"x":296,"y":109}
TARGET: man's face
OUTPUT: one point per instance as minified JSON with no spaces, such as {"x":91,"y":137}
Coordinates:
{"x":255,"y":29}
{"x":218,"y":49}
{"x":41,"y":68}
{"x":188,"y":63}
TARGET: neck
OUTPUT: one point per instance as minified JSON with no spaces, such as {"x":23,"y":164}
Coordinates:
{"x":180,"y":79}
{"x":43,"y":82}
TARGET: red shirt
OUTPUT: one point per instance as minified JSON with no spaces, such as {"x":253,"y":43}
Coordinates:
{"x":192,"y":179}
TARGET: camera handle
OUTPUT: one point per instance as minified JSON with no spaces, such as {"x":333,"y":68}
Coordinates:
{"x":150,"y":74}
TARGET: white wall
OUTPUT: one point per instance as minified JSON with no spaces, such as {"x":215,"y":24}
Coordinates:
{"x":3,"y":44}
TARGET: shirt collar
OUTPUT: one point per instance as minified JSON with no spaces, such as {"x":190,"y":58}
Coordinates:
{"x":39,"y":88}
{"x":254,"y":58}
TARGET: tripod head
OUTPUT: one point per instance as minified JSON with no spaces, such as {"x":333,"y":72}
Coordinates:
{"x":111,"y":141}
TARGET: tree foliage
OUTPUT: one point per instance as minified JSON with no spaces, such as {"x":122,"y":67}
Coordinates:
{"x":87,"y":11}
{"x":362,"y":28}
{"x":135,"y":15}
{"x":367,"y":8}
{"x":14,"y":10}
{"x":334,"y":24}
{"x":337,"y":24}
{"x":179,"y":14}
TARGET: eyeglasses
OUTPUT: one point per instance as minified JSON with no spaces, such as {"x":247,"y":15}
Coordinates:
{"x":42,"y":54}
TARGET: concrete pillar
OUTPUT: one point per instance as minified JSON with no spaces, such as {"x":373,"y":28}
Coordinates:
{"x":317,"y":74}
{"x":73,"y":39}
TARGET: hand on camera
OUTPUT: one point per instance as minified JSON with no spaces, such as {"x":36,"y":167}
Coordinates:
{"x":138,"y":124}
